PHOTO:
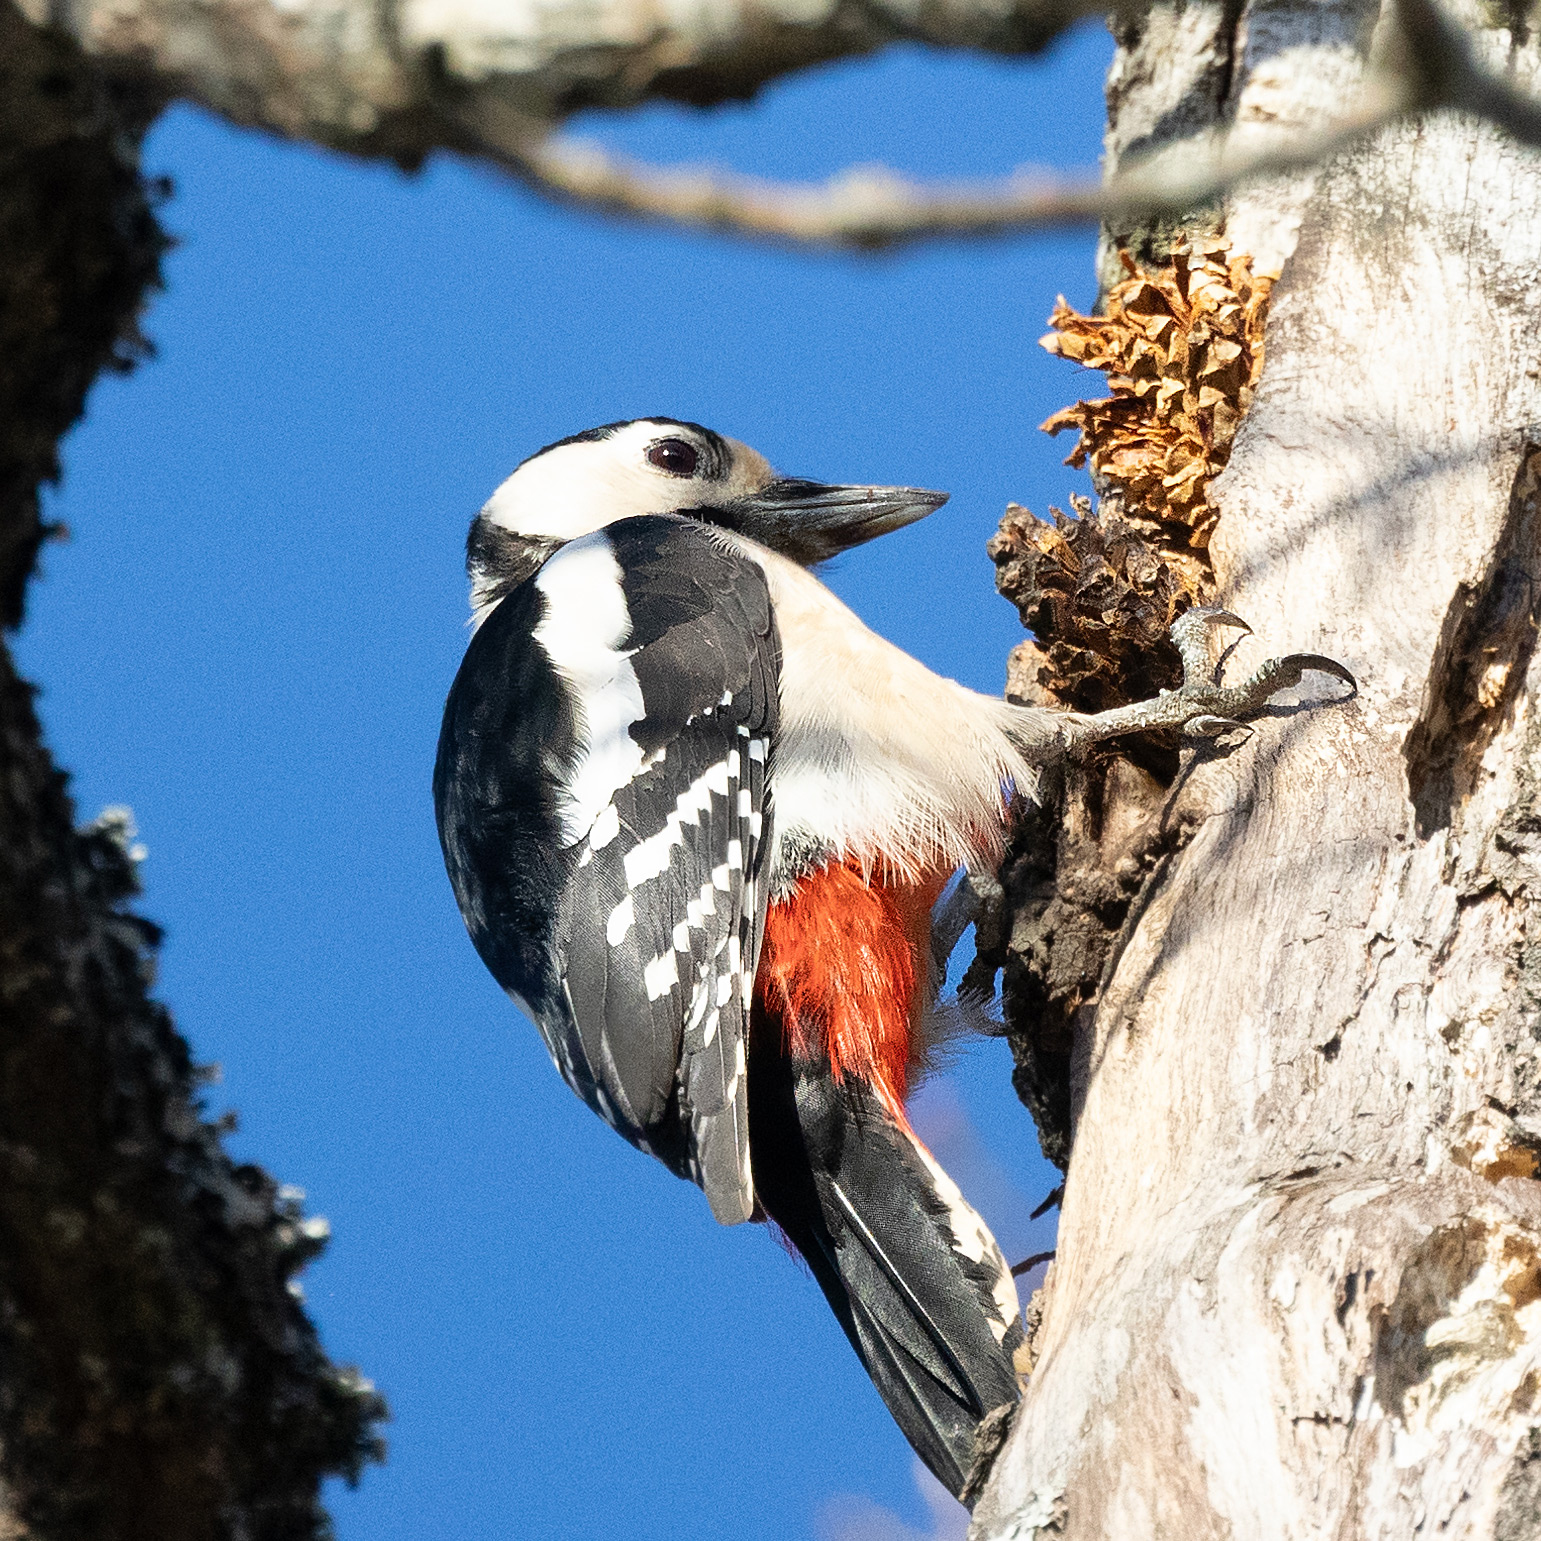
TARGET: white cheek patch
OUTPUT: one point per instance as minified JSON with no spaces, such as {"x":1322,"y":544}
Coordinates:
{"x":569,"y":490}
{"x":620,"y":922}
{"x":582,"y":631}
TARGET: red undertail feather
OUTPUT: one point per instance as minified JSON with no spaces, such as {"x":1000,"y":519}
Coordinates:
{"x":844,"y":966}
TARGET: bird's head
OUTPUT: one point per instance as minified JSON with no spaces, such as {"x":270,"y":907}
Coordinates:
{"x":655,"y":465}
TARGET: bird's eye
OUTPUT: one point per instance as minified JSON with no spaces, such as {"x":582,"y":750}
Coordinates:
{"x":674,"y":456}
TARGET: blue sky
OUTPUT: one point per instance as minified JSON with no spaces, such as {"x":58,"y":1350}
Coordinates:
{"x":248,"y":638}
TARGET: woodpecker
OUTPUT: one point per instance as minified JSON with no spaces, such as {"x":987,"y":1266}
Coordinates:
{"x":697,"y":815}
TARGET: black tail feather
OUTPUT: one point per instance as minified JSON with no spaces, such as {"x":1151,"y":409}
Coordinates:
{"x":846,"y":1183}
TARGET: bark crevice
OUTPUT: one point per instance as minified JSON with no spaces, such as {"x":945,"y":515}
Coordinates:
{"x":1480,"y":662}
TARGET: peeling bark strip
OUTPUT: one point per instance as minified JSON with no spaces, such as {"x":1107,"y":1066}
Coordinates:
{"x":1485,"y":647}
{"x":158,"y":1380}
{"x":1182,"y":346}
{"x":1297,"y":1283}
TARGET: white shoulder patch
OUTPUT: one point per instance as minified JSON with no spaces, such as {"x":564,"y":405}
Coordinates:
{"x":582,"y":631}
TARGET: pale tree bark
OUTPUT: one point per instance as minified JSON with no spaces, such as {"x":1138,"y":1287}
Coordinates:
{"x":1298,"y":1283}
{"x":1276,"y":1009}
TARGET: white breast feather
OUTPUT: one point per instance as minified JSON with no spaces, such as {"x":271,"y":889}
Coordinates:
{"x":878,"y":757}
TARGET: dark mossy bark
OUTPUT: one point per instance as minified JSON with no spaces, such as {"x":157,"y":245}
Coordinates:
{"x":159,"y":1377}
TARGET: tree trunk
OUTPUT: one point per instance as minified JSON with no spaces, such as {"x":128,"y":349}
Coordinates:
{"x":1298,"y":1283}
{"x":159,"y":1379}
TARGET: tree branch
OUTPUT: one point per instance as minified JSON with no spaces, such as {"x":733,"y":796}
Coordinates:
{"x":392,"y":77}
{"x":1445,"y":72}
{"x":406,"y":79}
{"x":1430,"y":65}
{"x":871,"y":208}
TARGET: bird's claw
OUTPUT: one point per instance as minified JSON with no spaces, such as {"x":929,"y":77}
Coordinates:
{"x":1210,"y":726}
{"x":1201,"y":707}
{"x":1190,"y":636}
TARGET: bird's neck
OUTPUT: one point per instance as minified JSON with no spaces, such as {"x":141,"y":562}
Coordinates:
{"x":498,"y":560}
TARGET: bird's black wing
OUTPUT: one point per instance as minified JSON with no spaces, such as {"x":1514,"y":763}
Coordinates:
{"x":665,"y":642}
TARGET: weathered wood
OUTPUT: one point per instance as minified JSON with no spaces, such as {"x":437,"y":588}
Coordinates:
{"x":1298,"y":1283}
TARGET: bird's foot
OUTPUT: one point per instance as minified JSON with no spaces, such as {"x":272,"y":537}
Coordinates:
{"x":1202,"y":707}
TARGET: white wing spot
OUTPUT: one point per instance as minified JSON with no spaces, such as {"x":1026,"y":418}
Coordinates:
{"x":661,"y":975}
{"x":731,"y":1089}
{"x":619,"y":923}
{"x":651,"y":857}
{"x":699,"y":1004}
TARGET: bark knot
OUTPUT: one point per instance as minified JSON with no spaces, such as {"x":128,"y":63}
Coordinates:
{"x":1491,"y":1145}
{"x":1464,"y":1327}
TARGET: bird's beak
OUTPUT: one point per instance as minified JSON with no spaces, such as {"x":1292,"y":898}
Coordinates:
{"x":813,"y":521}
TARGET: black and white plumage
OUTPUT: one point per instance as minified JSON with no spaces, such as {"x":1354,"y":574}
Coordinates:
{"x":664,"y":729}
{"x":614,"y":839}
{"x":696,"y":814}
{"x":908,"y":1267}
